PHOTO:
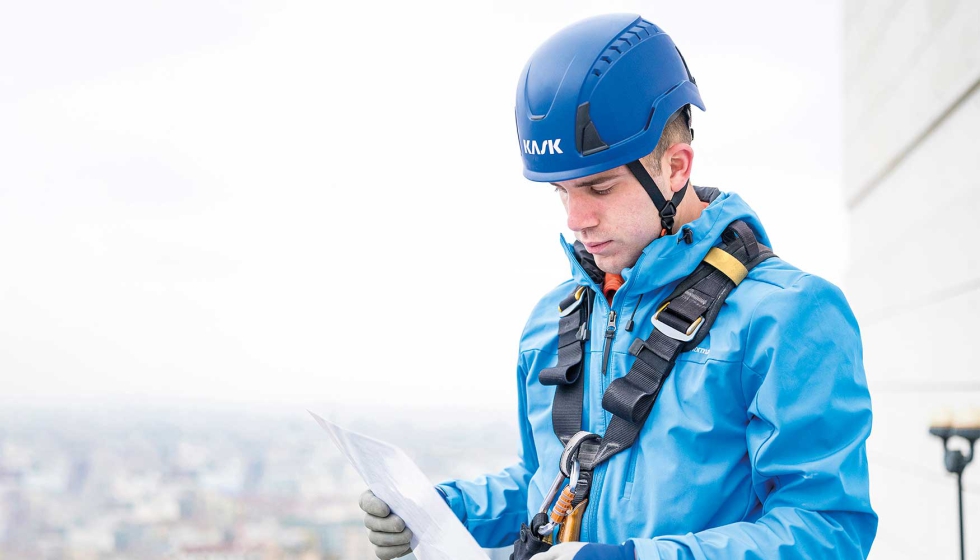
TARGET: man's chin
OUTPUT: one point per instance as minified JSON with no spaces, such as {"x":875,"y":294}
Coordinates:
{"x":609,"y":265}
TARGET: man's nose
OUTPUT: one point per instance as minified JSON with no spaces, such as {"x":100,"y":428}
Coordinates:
{"x":581,"y":212}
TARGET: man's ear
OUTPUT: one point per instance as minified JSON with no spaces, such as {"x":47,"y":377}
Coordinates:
{"x":679,"y":159}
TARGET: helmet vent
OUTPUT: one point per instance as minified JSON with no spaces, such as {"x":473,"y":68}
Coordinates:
{"x":628,"y":39}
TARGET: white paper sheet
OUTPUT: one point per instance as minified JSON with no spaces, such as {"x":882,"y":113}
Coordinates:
{"x":396,"y":479}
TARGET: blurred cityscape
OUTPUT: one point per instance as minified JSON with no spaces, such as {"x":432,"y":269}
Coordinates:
{"x":192,"y":482}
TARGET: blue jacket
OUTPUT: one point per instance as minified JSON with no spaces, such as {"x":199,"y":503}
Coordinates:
{"x":756,"y":445}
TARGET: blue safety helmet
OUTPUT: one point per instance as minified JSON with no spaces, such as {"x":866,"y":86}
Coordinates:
{"x":597,"y":95}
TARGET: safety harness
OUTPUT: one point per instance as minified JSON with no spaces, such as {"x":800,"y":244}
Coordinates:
{"x":681,"y":322}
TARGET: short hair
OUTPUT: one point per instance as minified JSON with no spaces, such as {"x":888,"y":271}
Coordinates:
{"x":678,"y":130}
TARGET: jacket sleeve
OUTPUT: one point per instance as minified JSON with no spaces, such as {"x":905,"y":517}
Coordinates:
{"x":492,"y":507}
{"x":808,"y":415}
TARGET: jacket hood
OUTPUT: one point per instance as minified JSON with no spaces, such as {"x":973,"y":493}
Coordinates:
{"x":669,"y":258}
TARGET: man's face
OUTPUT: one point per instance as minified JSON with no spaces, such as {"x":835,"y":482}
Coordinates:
{"x":611,"y":215}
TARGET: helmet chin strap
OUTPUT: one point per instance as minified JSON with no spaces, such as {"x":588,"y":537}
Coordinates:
{"x":667,"y":208}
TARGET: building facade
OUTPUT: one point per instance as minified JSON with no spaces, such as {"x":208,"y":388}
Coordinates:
{"x":912,"y":175}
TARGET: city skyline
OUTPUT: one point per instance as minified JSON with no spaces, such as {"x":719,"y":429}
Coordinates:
{"x":195,"y":483}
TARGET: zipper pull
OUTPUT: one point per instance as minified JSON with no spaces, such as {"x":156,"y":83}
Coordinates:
{"x":610,"y":333}
{"x":629,"y":324}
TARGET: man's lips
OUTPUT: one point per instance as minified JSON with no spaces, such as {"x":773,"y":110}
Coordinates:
{"x":595,"y":248}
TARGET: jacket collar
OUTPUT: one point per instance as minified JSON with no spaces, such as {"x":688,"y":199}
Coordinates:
{"x":669,"y":259}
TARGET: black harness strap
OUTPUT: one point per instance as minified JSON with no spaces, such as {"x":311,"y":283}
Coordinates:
{"x":666,"y":208}
{"x":681,"y":323}
{"x":573,"y":331}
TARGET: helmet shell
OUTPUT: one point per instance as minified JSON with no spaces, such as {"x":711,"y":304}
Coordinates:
{"x":597,"y":95}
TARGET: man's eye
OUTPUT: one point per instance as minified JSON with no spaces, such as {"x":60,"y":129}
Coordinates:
{"x":559,"y":190}
{"x":601,"y":192}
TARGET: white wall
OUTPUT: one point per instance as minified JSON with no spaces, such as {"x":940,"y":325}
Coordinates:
{"x":912,"y":109}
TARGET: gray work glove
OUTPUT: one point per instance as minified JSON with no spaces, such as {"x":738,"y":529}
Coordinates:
{"x":564,"y":551}
{"x":386,"y":531}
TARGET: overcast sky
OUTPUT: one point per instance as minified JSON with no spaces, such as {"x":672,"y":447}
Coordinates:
{"x":296,"y":203}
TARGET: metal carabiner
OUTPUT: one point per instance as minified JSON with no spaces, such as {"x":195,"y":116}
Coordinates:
{"x":564,"y":505}
{"x":550,"y":497}
{"x":570,"y":453}
{"x":576,"y":472}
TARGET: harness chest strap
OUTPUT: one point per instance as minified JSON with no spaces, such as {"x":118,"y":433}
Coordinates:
{"x":681,"y":323}
{"x":572,"y":334}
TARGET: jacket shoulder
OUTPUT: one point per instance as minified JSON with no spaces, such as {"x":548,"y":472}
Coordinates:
{"x":774,"y":277}
{"x":778,"y":298}
{"x":777,"y":273}
{"x":792,"y":312}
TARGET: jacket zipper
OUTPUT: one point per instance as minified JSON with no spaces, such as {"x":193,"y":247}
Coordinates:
{"x":610,"y":333}
{"x":630,"y":472}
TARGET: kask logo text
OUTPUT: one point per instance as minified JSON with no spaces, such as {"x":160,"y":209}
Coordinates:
{"x":547,"y":147}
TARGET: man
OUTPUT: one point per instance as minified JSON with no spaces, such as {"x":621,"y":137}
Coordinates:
{"x":744,"y":440}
